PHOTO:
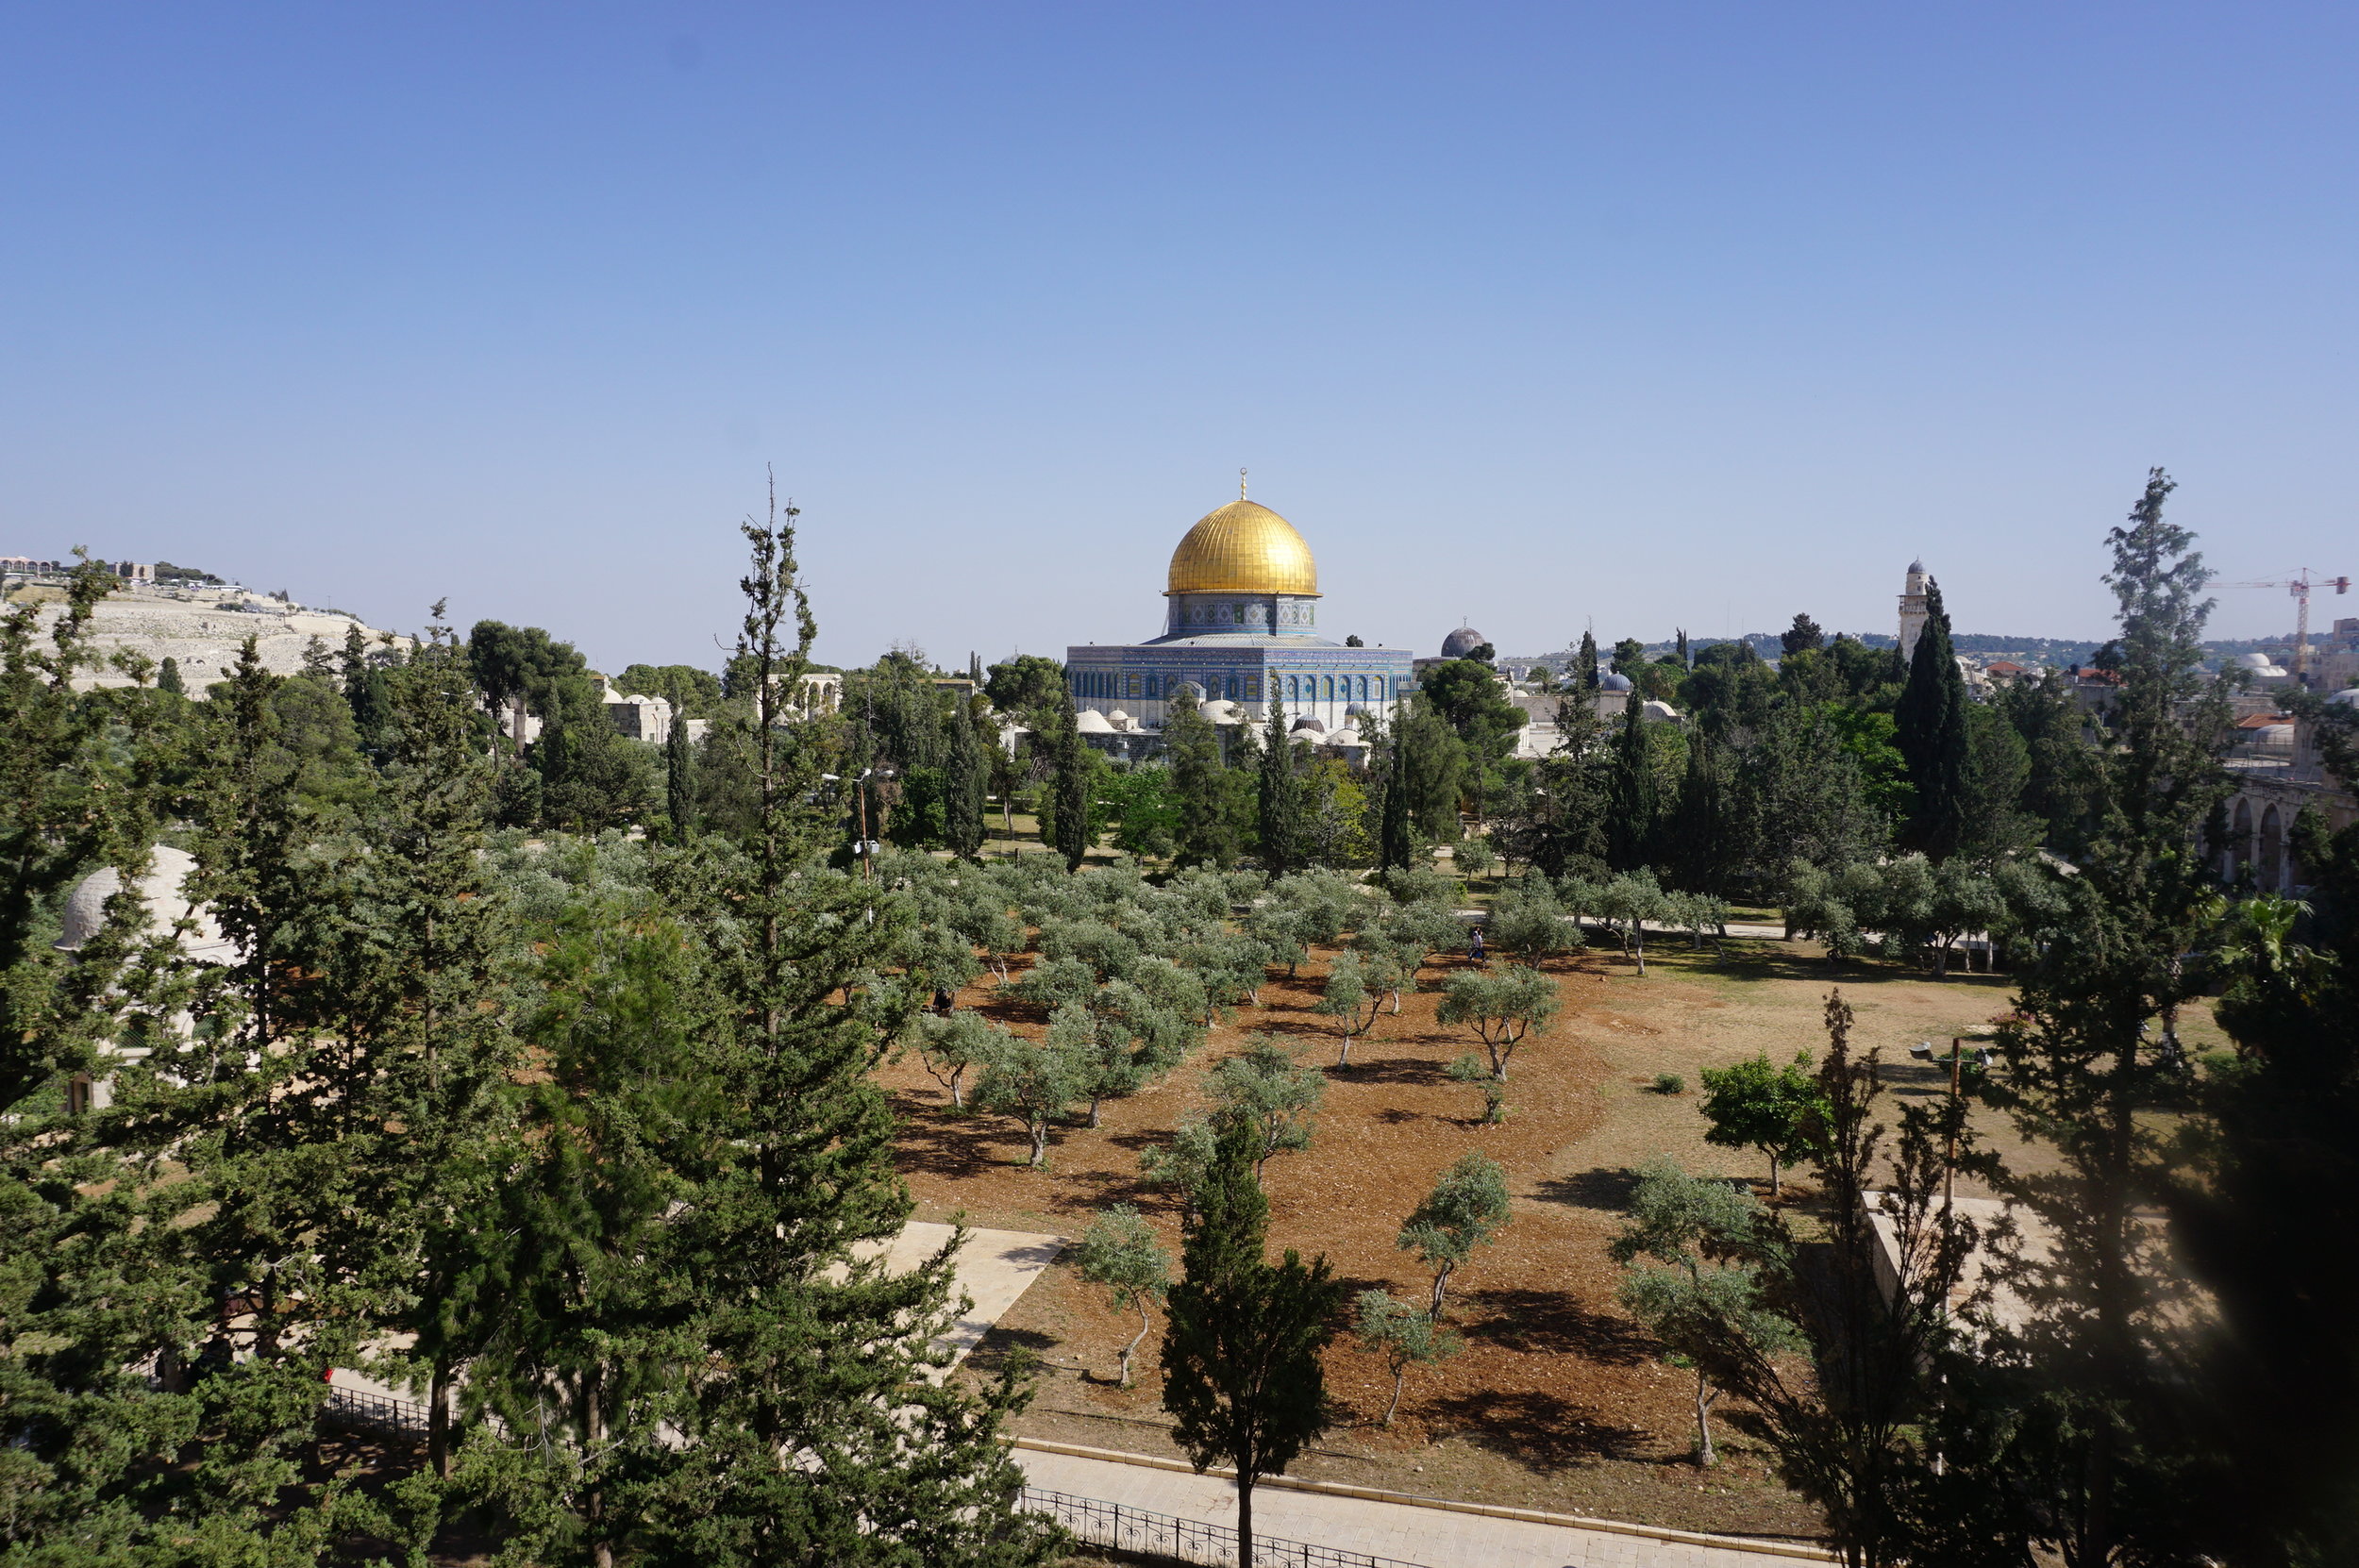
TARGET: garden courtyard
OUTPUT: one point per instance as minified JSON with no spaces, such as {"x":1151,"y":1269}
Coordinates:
{"x":1559,"y":1400}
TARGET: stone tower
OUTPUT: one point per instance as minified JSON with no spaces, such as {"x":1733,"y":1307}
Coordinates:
{"x":1913,"y":611}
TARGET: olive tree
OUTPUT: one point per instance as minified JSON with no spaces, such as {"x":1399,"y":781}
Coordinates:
{"x":1120,"y":1252}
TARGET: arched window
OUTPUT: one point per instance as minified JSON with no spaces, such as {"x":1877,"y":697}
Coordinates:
{"x":1329,"y":684}
{"x":2273,"y":874}
{"x":2240,"y":840}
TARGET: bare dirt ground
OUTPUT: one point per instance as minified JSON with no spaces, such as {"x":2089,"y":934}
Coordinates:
{"x":1559,"y":1401}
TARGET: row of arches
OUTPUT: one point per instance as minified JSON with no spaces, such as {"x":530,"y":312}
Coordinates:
{"x":2257,"y":850}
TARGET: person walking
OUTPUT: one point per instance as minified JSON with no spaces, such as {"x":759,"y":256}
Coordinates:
{"x":1473,"y":947}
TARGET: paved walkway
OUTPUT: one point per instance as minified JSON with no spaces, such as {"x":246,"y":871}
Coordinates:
{"x":1352,"y":1519}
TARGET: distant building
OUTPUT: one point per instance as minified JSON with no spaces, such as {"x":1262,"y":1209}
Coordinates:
{"x":1240,"y":628}
{"x":1915,"y":609}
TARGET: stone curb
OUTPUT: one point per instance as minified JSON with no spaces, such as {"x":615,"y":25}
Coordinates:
{"x":1486,"y":1510}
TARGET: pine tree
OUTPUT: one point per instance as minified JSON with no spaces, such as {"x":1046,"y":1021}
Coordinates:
{"x":2082,"y":1078}
{"x":1931,"y":716}
{"x":1585,"y":662}
{"x":168,"y":677}
{"x":810,"y":1429}
{"x":1242,"y":1376}
{"x":1278,"y":797}
{"x":1701,"y":829}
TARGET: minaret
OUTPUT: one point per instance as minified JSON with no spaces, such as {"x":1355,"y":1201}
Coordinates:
{"x":1913,"y":611}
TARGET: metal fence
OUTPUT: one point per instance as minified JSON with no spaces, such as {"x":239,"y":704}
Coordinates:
{"x":375,"y":1413}
{"x":1097,"y":1523}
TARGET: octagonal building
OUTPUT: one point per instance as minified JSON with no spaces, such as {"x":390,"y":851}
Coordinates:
{"x":1241,"y":625}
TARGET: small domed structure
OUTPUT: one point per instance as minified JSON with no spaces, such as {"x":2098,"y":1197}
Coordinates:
{"x":1614,"y":680}
{"x":1091,"y":721}
{"x":2347,"y":697}
{"x":1309,"y":724}
{"x":2253,"y":661}
{"x":1463,"y":642}
{"x":1656,"y":712}
{"x":159,"y":889}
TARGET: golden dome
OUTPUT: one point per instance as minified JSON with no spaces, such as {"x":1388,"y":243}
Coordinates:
{"x":1244,"y":548}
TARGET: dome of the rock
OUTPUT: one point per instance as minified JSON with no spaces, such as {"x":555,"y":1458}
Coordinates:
{"x":1243,"y":547}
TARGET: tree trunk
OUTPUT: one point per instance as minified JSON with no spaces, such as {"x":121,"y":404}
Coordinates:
{"x":958,"y":1101}
{"x":1703,"y":1423}
{"x":438,"y":1420}
{"x":1401,"y":1375}
{"x":1639,"y":927}
{"x":1345,"y":1059}
{"x":1773,"y":1178}
{"x":1130,"y":1349}
{"x":1245,"y":1519}
{"x":1095,"y":1101}
{"x":594,"y":1429}
{"x":1441,"y":1284}
{"x":1040,"y":1143}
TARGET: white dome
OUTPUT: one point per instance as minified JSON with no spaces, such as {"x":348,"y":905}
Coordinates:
{"x":2347,"y":697}
{"x":1091,"y":721}
{"x":1658,"y":712}
{"x":159,"y":889}
{"x":2253,"y":660}
{"x":1221,"y":711}
{"x":1345,"y":737}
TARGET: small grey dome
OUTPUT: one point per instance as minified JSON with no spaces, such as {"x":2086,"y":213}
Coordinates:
{"x":159,"y":889}
{"x":1614,"y":680}
{"x":1463,"y":642}
{"x":1306,"y":722}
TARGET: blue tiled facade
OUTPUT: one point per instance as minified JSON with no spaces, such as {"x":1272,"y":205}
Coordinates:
{"x":1244,"y":648}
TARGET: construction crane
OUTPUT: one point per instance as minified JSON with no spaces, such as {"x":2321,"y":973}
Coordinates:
{"x":2300,"y":586}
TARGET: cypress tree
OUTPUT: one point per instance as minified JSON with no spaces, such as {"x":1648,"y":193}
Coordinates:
{"x":1072,"y":805}
{"x":1396,"y":843}
{"x":1702,"y":828}
{"x":965,"y":772}
{"x":1585,"y":662}
{"x":679,"y":780}
{"x":1242,"y":1376}
{"x":1208,"y":831}
{"x":1931,"y":717}
{"x":168,"y":677}
{"x":1634,"y":800}
{"x":1278,"y":800}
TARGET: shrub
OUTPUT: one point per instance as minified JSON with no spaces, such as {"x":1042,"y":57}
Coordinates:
{"x":1669,"y":1083}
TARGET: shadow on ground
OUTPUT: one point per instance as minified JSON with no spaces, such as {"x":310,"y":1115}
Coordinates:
{"x":1538,"y":1431}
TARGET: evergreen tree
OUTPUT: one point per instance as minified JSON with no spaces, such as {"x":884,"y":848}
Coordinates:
{"x":679,"y":781}
{"x":810,"y":1430}
{"x":168,"y":677}
{"x":1242,"y":1376}
{"x":2081,"y":1077}
{"x":1804,"y":636}
{"x":1933,"y":737}
{"x":1206,"y":832}
{"x":1430,"y":767}
{"x":1634,"y":800}
{"x":1701,"y":830}
{"x":1396,"y":843}
{"x":1073,"y":803}
{"x":965,"y":772}
{"x":1585,"y":662}
{"x":1680,"y":649}
{"x":1278,"y":815}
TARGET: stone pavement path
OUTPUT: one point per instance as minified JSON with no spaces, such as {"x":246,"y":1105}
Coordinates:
{"x":1410,"y":1531}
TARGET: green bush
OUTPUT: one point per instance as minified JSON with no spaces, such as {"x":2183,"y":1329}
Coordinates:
{"x":1669,"y":1083}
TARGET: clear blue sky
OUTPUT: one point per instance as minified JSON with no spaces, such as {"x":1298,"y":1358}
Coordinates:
{"x":1644,"y":315}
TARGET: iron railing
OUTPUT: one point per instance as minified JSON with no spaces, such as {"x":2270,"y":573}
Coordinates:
{"x":376,"y":1412}
{"x":1097,"y":1523}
